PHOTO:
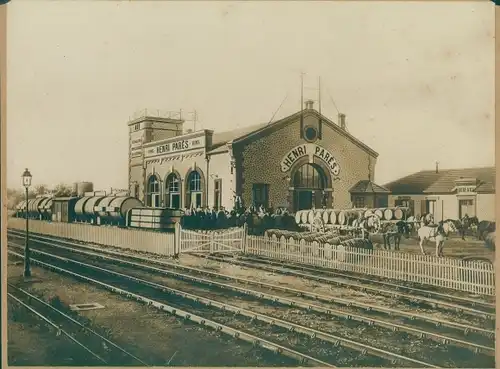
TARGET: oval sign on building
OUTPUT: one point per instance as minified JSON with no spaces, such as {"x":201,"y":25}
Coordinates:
{"x":310,"y":150}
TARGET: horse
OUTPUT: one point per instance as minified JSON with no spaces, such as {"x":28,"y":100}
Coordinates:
{"x":438,"y":233}
{"x":395,"y":231}
{"x":484,"y":227}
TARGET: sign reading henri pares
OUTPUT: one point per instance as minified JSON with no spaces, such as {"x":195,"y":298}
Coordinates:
{"x":175,"y":146}
{"x":310,"y":150}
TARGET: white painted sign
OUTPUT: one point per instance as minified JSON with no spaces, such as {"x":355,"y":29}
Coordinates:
{"x":310,"y":150}
{"x":466,"y":189}
{"x":175,"y":146}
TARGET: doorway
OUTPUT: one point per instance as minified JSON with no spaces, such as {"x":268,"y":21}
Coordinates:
{"x":309,"y":185}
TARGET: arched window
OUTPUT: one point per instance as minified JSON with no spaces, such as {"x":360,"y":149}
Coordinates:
{"x":308,"y":176}
{"x":194,"y":190}
{"x":173,"y":191}
{"x":153,"y":192}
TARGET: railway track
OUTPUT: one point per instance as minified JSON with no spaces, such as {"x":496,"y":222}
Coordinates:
{"x":458,"y":304}
{"x":319,"y":342}
{"x":192,"y":311}
{"x":101,"y":349}
{"x":321,"y":335}
{"x":410,"y":318}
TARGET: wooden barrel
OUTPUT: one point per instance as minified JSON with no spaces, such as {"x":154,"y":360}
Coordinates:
{"x":368,"y":213}
{"x":379,"y":212}
{"x":346,"y":217}
{"x":333,"y":217}
{"x":298,"y":217}
{"x":388,"y":214}
{"x":303,"y":216}
{"x":310,"y":216}
{"x":326,"y":216}
{"x":401,"y":213}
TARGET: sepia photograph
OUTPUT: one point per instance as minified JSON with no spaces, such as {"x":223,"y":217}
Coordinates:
{"x":249,"y":184}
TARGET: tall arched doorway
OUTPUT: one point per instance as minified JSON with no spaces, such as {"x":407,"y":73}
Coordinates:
{"x":153,"y":192}
{"x":309,"y":183}
{"x":194,"y":190}
{"x":173,"y":191}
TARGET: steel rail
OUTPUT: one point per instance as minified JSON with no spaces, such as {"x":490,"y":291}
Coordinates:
{"x":349,"y":303}
{"x":54,"y":325}
{"x":257,"y":341}
{"x":31,"y":296}
{"x":363,"y":288}
{"x":290,"y":326}
{"x":477,"y":348}
{"x":296,"y":265}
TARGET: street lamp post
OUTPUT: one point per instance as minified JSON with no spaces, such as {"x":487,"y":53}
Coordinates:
{"x":27,"y":183}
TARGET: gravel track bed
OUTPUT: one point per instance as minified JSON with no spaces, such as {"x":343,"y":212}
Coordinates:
{"x":27,"y":333}
{"x":398,"y":342}
{"x":333,"y":291}
{"x":111,"y":355}
{"x":296,"y":341}
{"x":231,"y":269}
{"x":152,"y":335}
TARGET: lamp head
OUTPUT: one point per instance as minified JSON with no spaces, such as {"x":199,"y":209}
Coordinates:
{"x":26,"y":178}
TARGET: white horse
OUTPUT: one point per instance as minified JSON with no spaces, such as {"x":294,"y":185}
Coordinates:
{"x":437,"y":233}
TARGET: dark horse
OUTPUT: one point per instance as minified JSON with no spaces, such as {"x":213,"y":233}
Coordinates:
{"x":395,"y":231}
{"x":484,"y":227}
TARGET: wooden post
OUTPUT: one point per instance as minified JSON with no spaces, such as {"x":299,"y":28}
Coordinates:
{"x":177,"y":239}
{"x":244,"y":240}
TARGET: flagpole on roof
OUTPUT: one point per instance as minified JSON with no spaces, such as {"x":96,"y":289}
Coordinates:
{"x":320,"y":133}
{"x":302,"y":104}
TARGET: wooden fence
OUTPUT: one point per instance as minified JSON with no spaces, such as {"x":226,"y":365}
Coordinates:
{"x":469,"y":276}
{"x":138,"y":240}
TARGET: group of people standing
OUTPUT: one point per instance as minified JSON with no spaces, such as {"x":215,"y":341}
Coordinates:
{"x":257,"y":219}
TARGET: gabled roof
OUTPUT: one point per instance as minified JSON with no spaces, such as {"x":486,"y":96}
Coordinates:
{"x":241,"y":134}
{"x":428,"y":181}
{"x":367,"y":186}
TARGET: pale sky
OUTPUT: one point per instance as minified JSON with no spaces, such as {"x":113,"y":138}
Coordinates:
{"x":416,"y":80}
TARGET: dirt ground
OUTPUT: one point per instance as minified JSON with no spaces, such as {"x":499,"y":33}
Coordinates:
{"x":153,"y":336}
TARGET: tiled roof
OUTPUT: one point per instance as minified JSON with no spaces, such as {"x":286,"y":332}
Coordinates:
{"x":220,"y":139}
{"x":366,"y":186}
{"x":428,"y":181}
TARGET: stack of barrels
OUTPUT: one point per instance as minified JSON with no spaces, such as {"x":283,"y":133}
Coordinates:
{"x":307,"y":236}
{"x":345,"y":217}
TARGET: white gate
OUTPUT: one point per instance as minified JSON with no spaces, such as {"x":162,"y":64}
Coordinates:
{"x":231,"y":240}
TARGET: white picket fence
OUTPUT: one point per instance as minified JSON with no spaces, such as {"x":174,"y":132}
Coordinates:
{"x":469,"y":276}
{"x":138,"y":240}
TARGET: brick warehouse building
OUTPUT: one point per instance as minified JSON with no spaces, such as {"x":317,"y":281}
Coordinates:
{"x":299,"y":162}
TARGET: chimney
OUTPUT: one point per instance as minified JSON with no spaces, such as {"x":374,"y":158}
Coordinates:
{"x":437,"y":166}
{"x":309,"y":104}
{"x":342,"y":121}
